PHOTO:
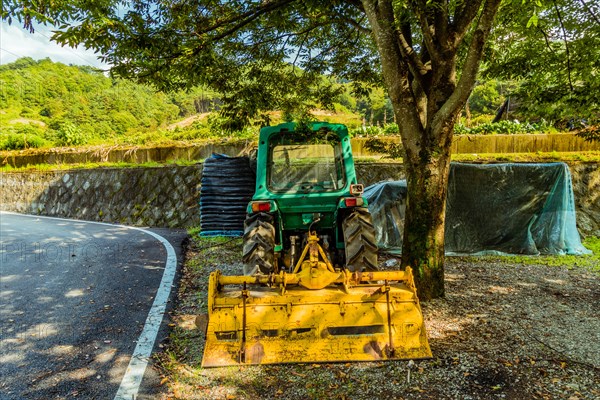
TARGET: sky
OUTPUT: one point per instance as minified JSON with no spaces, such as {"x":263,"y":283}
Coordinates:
{"x":15,"y":42}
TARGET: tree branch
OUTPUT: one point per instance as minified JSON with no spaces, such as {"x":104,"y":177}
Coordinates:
{"x":415,"y":61}
{"x":463,"y":17}
{"x":546,"y":39}
{"x":441,"y":22}
{"x":589,"y":10}
{"x":243,"y":19}
{"x":419,"y":7}
{"x":395,"y":68}
{"x":345,"y":40}
{"x":298,"y":53}
{"x":469,"y":72}
{"x":418,"y":69}
{"x":357,"y":4}
{"x":291,"y":34}
{"x":357,"y":25}
{"x":406,"y":31}
{"x":568,"y":54}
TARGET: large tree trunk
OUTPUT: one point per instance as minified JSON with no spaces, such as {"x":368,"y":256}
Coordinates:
{"x":427,"y":99}
{"x":423,"y":244}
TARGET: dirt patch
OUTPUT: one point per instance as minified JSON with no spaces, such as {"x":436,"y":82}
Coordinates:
{"x":27,"y":121}
{"x":504,"y":330}
{"x":187,"y":121}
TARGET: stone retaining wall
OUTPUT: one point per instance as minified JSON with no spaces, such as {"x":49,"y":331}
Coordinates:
{"x":168,"y":196}
{"x":162,"y":197}
{"x":586,"y":185}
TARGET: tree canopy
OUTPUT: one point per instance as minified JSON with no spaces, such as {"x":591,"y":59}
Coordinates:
{"x":277,"y":50}
{"x":552,"y":53}
{"x":272,"y":54}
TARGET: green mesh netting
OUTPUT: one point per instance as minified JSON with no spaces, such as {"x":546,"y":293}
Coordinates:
{"x":492,"y":209}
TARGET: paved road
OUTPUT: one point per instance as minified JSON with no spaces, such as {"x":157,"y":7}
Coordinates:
{"x":74,"y":297}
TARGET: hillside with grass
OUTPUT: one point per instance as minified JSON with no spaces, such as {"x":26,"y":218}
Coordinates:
{"x":49,"y":104}
{"x":45,"y":104}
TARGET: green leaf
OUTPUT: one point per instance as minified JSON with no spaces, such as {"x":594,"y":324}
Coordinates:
{"x":533,"y":21}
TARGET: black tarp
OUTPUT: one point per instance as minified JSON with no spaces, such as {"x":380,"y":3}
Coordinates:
{"x":492,"y":209}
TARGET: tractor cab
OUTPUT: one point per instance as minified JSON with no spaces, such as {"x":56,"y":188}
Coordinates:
{"x":306,"y":181}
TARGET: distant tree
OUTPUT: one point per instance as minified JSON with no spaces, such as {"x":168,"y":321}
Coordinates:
{"x":485,"y":98}
{"x":372,"y":106}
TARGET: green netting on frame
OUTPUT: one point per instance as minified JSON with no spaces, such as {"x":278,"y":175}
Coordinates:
{"x":492,"y":209}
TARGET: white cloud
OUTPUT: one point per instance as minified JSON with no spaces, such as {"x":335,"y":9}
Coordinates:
{"x":15,"y":42}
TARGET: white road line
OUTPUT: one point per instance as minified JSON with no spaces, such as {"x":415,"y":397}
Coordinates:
{"x":130,"y":383}
{"x":132,"y":379}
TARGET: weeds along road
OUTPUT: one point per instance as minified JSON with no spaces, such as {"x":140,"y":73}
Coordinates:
{"x":75,"y":299}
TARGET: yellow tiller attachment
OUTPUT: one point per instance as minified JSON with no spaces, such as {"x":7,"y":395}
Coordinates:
{"x":316,"y":314}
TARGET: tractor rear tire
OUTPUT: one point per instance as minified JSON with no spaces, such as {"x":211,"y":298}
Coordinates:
{"x":259,"y":244}
{"x":359,"y":241}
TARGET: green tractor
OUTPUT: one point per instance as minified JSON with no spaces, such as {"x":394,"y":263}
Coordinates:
{"x":306,"y":184}
{"x":310,"y":292}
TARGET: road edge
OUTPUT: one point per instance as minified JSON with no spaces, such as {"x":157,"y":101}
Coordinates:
{"x":130,"y":384}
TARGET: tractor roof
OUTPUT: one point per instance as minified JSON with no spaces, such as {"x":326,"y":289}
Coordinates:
{"x":306,"y":132}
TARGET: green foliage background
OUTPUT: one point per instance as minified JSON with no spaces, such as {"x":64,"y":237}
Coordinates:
{"x":44,"y":103}
{"x":48,"y":104}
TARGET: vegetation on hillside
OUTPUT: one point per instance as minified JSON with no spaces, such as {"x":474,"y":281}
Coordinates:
{"x":553,"y":56}
{"x":44,"y":103}
{"x":49,"y":104}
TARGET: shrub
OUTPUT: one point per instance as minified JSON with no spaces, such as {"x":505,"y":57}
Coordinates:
{"x":71,"y":135}
{"x":122,"y":121}
{"x":141,"y":138}
{"x":391,"y":129}
{"x":482,"y":119}
{"x":28,"y":129}
{"x":193,"y":132}
{"x":356,"y":132}
{"x":19,"y":141}
{"x":27,"y":112}
{"x":504,"y":127}
{"x":220,"y":125}
{"x":22,"y":136}
{"x":388,"y":129}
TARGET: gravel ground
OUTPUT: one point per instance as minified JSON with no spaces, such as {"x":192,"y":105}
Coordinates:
{"x":504,"y":330}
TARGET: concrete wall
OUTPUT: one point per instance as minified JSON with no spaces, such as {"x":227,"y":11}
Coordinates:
{"x":482,"y":144}
{"x":136,"y":155}
{"x":529,"y":143}
{"x":168,"y":196}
